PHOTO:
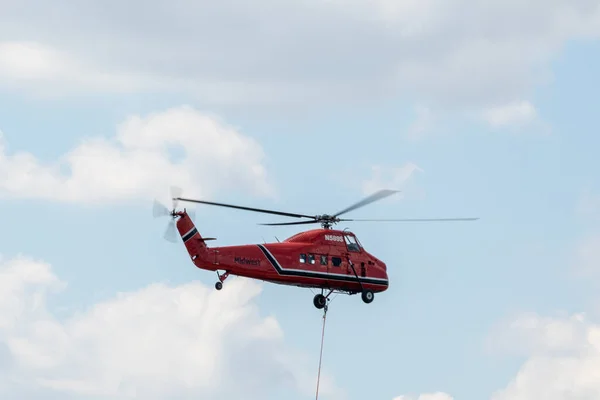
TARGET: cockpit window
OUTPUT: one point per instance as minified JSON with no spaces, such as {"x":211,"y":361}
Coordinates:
{"x":351,"y":243}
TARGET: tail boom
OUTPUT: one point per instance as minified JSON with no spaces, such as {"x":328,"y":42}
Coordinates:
{"x":195,"y":243}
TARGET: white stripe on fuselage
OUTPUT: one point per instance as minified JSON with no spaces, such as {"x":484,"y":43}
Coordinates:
{"x":383,"y":280}
{"x":188,"y":232}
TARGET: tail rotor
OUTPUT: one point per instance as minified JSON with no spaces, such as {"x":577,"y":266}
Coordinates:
{"x":171,"y":232}
{"x":160,"y":210}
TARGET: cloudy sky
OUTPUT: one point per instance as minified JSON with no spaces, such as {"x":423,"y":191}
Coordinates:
{"x":486,"y":109}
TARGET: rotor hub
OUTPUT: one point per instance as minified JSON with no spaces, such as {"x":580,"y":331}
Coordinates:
{"x":326,"y":220}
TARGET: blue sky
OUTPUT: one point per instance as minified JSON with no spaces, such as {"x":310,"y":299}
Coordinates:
{"x":470,"y":305}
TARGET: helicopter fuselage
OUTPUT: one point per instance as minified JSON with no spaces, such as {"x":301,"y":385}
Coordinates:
{"x":325,"y":258}
{"x":318,"y":258}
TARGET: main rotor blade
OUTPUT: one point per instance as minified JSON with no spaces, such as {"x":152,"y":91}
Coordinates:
{"x":412,"y":220}
{"x":285,"y":214}
{"x":292,"y":223}
{"x":367,"y":200}
{"x":175,"y":193}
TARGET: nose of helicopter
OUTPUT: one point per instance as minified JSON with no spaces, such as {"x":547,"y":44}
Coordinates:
{"x":383,"y":267}
{"x":386,"y":278}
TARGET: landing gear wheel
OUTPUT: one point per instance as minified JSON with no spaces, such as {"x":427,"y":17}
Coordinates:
{"x":320,"y":301}
{"x":367,"y":296}
{"x":219,"y":284}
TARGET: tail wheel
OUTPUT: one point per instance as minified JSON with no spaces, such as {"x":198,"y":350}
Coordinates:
{"x":367,"y":296}
{"x":319,"y":301}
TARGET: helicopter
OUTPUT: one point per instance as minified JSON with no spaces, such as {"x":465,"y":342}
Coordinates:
{"x":326,"y":259}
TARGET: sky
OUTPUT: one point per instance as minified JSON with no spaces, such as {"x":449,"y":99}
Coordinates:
{"x":471,"y":109}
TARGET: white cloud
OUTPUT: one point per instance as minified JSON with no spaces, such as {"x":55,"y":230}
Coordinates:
{"x":394,"y":178}
{"x":138,"y":162}
{"x":516,"y":113}
{"x":30,"y":61}
{"x":293,"y":51}
{"x":563,"y":351}
{"x":564,"y":362}
{"x":187,"y":341}
{"x":563,"y":358}
{"x":427,"y":396}
{"x":530,"y":334}
{"x":44,"y":71}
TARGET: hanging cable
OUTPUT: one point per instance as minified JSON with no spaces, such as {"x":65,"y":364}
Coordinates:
{"x":321,"y":354}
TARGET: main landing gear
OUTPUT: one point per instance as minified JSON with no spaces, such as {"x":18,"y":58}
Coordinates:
{"x":219,"y":284}
{"x":320,"y":300}
{"x":367,"y":295}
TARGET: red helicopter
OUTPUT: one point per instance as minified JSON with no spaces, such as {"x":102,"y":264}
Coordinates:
{"x":325,"y":258}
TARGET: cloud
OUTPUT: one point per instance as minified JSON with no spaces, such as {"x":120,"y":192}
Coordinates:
{"x":564,"y":359}
{"x":449,"y":54}
{"x":530,"y":334}
{"x":394,"y":178}
{"x":44,"y":70}
{"x":186,"y":341}
{"x":147,"y":154}
{"x":562,"y":351}
{"x":427,"y":396}
{"x":516,"y":113}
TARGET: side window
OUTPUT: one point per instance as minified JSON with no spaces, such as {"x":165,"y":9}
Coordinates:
{"x":336,"y":261}
{"x":302,"y":258}
{"x":323,"y":260}
{"x":311,"y":258}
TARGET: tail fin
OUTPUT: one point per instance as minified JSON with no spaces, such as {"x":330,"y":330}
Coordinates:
{"x":193,"y":241}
